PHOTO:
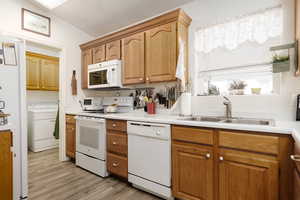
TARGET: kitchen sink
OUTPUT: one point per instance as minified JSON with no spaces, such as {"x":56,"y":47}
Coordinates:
{"x":246,"y":121}
{"x":203,"y":119}
{"x":250,"y":121}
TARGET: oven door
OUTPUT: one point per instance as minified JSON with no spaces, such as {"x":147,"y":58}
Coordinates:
{"x":91,"y":137}
{"x":99,"y":78}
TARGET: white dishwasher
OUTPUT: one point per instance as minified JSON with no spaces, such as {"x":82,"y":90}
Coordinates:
{"x":149,"y":157}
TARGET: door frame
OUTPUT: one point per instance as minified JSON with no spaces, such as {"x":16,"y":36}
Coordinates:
{"x":21,"y":172}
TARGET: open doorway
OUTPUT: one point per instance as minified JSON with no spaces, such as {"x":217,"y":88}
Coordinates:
{"x":42,"y":93}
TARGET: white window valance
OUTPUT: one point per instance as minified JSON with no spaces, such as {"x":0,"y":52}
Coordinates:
{"x":258,"y":27}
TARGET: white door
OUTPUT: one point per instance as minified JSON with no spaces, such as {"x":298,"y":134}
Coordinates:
{"x":91,"y":137}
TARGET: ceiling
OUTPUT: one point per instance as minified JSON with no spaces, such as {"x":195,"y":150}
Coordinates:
{"x":99,"y":17}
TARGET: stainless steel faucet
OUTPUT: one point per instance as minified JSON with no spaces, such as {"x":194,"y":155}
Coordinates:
{"x":228,"y":105}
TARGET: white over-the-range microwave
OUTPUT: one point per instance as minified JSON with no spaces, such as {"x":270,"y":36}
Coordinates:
{"x":105,"y":74}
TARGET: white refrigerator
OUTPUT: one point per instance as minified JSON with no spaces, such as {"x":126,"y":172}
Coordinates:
{"x":13,"y":92}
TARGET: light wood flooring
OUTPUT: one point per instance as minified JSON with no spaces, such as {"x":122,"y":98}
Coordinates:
{"x":51,"y":179}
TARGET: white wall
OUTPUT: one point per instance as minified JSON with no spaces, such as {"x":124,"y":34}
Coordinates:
{"x":205,"y":13}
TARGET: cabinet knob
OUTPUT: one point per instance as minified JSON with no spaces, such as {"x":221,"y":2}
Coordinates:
{"x":221,"y":158}
{"x":141,"y":79}
{"x":295,"y":158}
{"x":207,"y":155}
{"x":114,"y":143}
{"x":147,"y":78}
{"x":115,"y":164}
{"x":114,"y":125}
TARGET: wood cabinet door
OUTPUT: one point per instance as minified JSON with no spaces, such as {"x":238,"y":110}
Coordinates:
{"x":70,"y":140}
{"x":161,"y":53}
{"x":247,"y":176}
{"x":133,"y":57}
{"x":86,"y":59}
{"x":192,"y":172}
{"x":99,"y":54}
{"x":296,"y":184}
{"x":50,"y":74}
{"x":113,"y":50}
{"x":6,"y":166}
{"x":33,"y":73}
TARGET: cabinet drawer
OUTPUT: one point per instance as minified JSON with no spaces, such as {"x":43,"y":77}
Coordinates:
{"x":116,"y":125}
{"x":194,"y":135}
{"x":117,"y":143}
{"x":117,"y":165}
{"x":70,"y":119}
{"x":250,"y":142}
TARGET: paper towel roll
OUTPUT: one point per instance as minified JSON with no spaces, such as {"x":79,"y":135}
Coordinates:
{"x":186,"y":104}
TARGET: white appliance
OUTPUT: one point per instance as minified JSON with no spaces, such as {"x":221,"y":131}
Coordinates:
{"x":13,"y":92}
{"x":105,"y":74}
{"x":41,"y":125}
{"x":92,"y":104}
{"x":149,"y":157}
{"x":91,"y":144}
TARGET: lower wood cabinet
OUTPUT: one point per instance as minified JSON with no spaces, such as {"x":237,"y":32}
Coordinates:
{"x":250,"y":176}
{"x":192,"y":171}
{"x":297,"y":185}
{"x":70,"y":136}
{"x":6,"y":166}
{"x":213,"y":164}
{"x":117,"y":148}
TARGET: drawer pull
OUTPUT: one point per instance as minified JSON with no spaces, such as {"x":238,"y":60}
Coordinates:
{"x":114,"y":125}
{"x":221,"y":158}
{"x":295,"y":158}
{"x":114,"y":143}
{"x":115,"y":164}
{"x":207,"y":155}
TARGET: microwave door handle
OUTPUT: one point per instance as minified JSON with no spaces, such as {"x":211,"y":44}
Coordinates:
{"x":108,"y":77}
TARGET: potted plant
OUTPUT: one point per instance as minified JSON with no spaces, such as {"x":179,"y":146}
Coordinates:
{"x":237,"y":87}
{"x":281,"y":63}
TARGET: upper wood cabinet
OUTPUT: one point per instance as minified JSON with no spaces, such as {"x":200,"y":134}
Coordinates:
{"x":244,"y":175}
{"x":133,"y":57}
{"x":86,"y":59}
{"x":42,"y":72}
{"x":6,"y":166}
{"x":192,"y":171}
{"x":161,"y":53}
{"x":99,"y":54}
{"x":33,"y":72}
{"x":113,"y":50}
{"x":50,"y":75}
{"x":149,"y":50}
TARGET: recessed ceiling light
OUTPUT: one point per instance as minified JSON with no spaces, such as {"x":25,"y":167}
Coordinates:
{"x":50,"y":4}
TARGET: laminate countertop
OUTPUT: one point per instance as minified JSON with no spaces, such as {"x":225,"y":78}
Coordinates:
{"x":280,"y":127}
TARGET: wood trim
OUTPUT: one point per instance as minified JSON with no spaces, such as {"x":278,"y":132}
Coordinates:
{"x":176,"y":15}
{"x":22,"y":23}
{"x":28,"y":53}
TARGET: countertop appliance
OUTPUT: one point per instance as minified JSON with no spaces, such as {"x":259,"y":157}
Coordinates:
{"x":149,"y":157}
{"x":41,"y":125}
{"x":105,"y":74}
{"x":91,"y":144}
{"x":13,"y":91}
{"x":92,"y":104}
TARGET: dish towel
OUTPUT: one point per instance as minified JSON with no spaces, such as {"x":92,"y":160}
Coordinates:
{"x":180,"y":70}
{"x":56,"y":128}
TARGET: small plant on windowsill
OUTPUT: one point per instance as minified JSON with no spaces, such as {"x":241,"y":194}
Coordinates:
{"x":237,"y":87}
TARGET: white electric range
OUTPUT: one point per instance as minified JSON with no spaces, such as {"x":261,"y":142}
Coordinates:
{"x":91,"y":135}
